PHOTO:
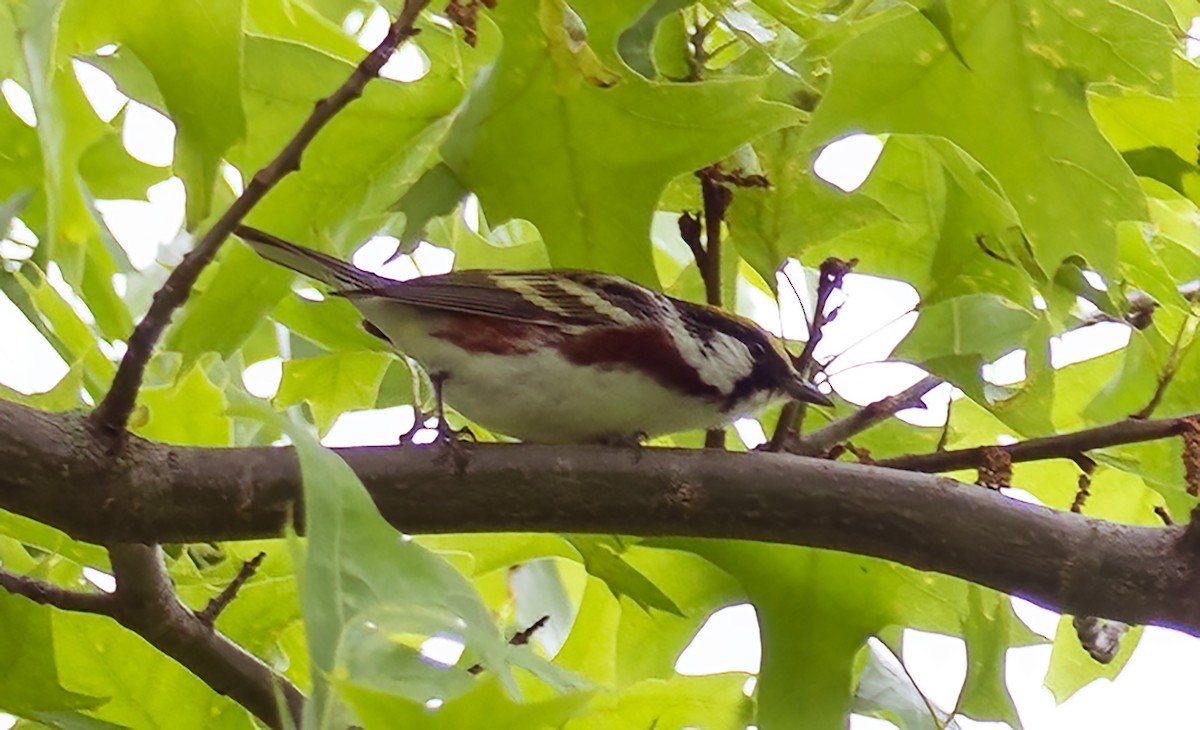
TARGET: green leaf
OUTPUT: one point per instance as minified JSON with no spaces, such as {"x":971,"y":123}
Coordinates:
{"x":815,"y":610}
{"x":484,"y":705}
{"x":193,"y":51}
{"x":988,"y":633}
{"x":435,"y":194}
{"x":333,"y":384}
{"x":885,"y":690}
{"x":29,"y":679}
{"x":64,"y":396}
{"x":190,"y":411}
{"x":352,"y":172}
{"x":371,"y":596}
{"x":714,"y":702}
{"x":982,"y":325}
{"x":600,"y":167}
{"x":144,"y":687}
{"x":650,"y":642}
{"x":798,"y":211}
{"x":66,"y":326}
{"x":1016,"y":105}
{"x":603,"y":558}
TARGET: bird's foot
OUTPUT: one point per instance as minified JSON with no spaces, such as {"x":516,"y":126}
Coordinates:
{"x":627,"y":441}
{"x":407,"y":438}
{"x":453,"y":444}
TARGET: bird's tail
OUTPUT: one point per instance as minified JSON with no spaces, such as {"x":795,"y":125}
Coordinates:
{"x":314,"y":264}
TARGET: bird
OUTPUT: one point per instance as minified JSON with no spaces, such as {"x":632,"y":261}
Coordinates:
{"x":561,"y":356}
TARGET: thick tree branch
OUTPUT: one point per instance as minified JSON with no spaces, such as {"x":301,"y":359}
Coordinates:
{"x":110,"y":417}
{"x":1073,"y":563}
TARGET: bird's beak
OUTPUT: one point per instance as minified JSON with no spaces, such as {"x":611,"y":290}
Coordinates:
{"x":803,"y":390}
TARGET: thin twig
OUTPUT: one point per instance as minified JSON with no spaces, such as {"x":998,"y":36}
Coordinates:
{"x":716,"y":198}
{"x":110,"y":417}
{"x":832,"y":272}
{"x":944,"y":437}
{"x":1062,"y":446}
{"x":220,"y":601}
{"x":520,"y":638}
{"x":823,"y":439}
{"x":1167,"y":375}
{"x":49,"y":594}
{"x":1164,"y":515}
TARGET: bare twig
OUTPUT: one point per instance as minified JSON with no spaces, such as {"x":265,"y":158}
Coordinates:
{"x":1164,"y":515}
{"x":520,"y":638}
{"x":717,"y":198}
{"x":1167,"y":375}
{"x":51,"y":595}
{"x":219,"y":602}
{"x":823,"y":439}
{"x":1062,"y":446}
{"x":944,"y":437}
{"x":717,"y":195}
{"x":110,"y":417}
{"x":832,"y":272}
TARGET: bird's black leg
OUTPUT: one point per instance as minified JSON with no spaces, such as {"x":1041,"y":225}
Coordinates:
{"x":418,"y":425}
{"x":445,"y":434}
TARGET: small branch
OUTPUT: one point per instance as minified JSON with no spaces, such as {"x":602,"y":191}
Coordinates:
{"x":1062,"y":446}
{"x":717,"y":198}
{"x":110,"y":417}
{"x":219,"y":602}
{"x":49,"y":594}
{"x":717,"y":195}
{"x":700,"y":55}
{"x":520,"y":638}
{"x":716,"y":202}
{"x":1164,"y":515}
{"x":147,"y":605}
{"x":824,"y":439}
{"x":944,"y":438}
{"x":1167,"y":375}
{"x":832,"y":272}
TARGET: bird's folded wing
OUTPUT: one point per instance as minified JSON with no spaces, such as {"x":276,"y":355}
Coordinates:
{"x":554,"y":298}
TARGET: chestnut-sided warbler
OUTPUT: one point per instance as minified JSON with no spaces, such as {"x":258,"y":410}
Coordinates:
{"x":559,"y":356}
